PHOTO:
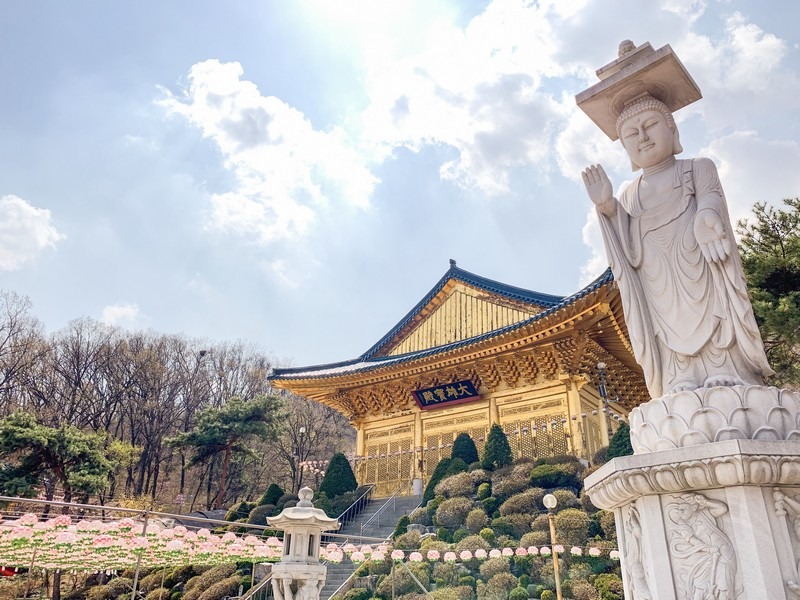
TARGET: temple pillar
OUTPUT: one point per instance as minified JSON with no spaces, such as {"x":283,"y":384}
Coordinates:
{"x":494,"y":412}
{"x":419,"y":462}
{"x":573,"y":386}
{"x":602,"y":411}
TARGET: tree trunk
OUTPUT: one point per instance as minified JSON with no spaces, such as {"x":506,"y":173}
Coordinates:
{"x":223,"y":479}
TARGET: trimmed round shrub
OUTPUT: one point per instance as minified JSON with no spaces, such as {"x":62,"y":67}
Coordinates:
{"x":566,"y":499}
{"x":286,"y":498}
{"x":502,"y":583}
{"x":610,"y":586}
{"x":227,"y":587}
{"x":515,"y":525}
{"x":554,"y":476}
{"x":401,"y":527}
{"x":586,"y":503}
{"x":258,"y":516}
{"x":465,"y":449}
{"x":518,"y":593}
{"x":407,"y":541}
{"x":572,"y":527}
{"x":419,"y":516}
{"x":240,"y":510}
{"x":431,"y":543}
{"x":507,"y":485}
{"x":476,"y":520}
{"x":583,"y":590}
{"x":459,"y":534}
{"x":523,"y":502}
{"x":488,"y":535}
{"x":272,"y":495}
{"x":490,"y":505}
{"x":456,"y":466}
{"x":493,"y":566}
{"x":339,"y":477}
{"x":443,"y":533}
{"x":480,"y":476}
{"x":601,"y":456}
{"x":472,"y":542}
{"x":204,"y":580}
{"x":484,"y":491}
{"x":358,"y":594}
{"x":401,"y":582}
{"x":458,"y":485}
{"x":606,"y":518}
{"x":158,"y":594}
{"x":548,"y":595}
{"x":535,"y":538}
{"x":452,"y":512}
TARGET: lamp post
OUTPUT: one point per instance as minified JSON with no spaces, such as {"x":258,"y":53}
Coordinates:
{"x":299,"y":455}
{"x":601,"y":387}
{"x":550,"y":503}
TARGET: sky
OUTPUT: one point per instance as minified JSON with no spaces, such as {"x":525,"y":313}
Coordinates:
{"x":296,"y":175}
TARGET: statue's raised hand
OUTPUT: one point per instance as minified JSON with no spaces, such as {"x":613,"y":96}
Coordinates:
{"x":598,"y":186}
{"x":710,"y":234}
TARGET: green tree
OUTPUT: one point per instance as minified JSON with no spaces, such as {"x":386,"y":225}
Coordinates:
{"x":439,"y":473}
{"x":464,"y":448}
{"x":226,"y":430}
{"x":497,"y":452}
{"x":339,"y":477}
{"x":272,"y":495}
{"x":620,"y":444}
{"x":33,"y":453}
{"x":770,"y":249}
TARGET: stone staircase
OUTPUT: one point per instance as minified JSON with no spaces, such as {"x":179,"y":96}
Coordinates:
{"x":380,"y":527}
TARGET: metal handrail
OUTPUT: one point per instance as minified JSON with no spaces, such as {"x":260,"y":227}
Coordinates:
{"x":352,"y":511}
{"x":392,"y":499}
{"x":256,"y":588}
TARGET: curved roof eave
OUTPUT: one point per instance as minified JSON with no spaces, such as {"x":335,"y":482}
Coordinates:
{"x":368,"y":362}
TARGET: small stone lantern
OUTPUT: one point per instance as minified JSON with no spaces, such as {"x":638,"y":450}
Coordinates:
{"x":299,"y":575}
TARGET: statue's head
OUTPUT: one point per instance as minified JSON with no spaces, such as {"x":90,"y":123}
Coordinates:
{"x":638,"y":108}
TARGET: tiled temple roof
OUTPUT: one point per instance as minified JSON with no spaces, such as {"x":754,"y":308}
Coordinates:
{"x":371,"y":359}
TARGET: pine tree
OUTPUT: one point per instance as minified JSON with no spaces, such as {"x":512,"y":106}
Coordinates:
{"x":439,"y":473}
{"x":272,"y":495}
{"x":620,"y":444}
{"x":770,"y":248}
{"x":464,"y":448}
{"x":497,"y":452}
{"x":339,"y":477}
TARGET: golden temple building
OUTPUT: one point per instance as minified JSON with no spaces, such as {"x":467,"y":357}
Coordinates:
{"x":475,"y":352}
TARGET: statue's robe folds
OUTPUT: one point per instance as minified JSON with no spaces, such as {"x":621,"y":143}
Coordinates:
{"x":689,"y":320}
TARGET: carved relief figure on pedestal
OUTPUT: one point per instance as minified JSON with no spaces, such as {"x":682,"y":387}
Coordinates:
{"x":789,"y":507}
{"x":705,"y":560}
{"x":671,"y":247}
{"x":634,"y":556}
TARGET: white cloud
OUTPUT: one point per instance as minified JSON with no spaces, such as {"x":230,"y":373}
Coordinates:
{"x":477,"y":90}
{"x":25,"y":232}
{"x":755,"y":170}
{"x":120,"y":315}
{"x":284,"y":168}
{"x":746,"y":59}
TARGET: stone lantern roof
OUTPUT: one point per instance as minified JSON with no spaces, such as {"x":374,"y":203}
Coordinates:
{"x":304,"y":515}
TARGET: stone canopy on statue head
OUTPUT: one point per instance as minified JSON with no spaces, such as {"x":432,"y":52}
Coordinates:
{"x":639,"y":71}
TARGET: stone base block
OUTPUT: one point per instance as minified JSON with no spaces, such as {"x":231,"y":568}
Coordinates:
{"x":715,"y":521}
